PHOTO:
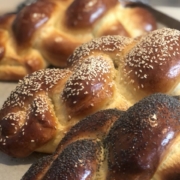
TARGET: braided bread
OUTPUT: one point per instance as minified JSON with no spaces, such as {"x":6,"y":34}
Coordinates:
{"x":47,"y":31}
{"x":139,"y":144}
{"x":107,"y":72}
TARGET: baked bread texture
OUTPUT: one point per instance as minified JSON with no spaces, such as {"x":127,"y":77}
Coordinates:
{"x":139,"y":144}
{"x":105,"y":73}
{"x":47,"y":31}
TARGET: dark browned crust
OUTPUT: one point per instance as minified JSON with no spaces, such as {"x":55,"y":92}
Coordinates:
{"x":138,"y":139}
{"x":83,"y":156}
{"x":95,"y":125}
{"x":81,"y":147}
{"x":76,"y":160}
{"x":132,"y":142}
{"x":38,"y":169}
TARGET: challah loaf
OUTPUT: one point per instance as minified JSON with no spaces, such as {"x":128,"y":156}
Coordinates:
{"x":47,"y":31}
{"x":139,"y":144}
{"x":108,"y":72}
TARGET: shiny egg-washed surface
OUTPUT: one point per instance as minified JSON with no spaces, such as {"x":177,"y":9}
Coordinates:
{"x":46,"y":32}
{"x":107,"y":72}
{"x":138,"y":144}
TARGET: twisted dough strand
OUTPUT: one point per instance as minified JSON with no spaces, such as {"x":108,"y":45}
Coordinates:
{"x":47,"y":31}
{"x":104,"y":73}
{"x":111,"y":144}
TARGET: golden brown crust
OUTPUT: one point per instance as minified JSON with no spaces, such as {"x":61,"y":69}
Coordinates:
{"x":6,"y":21}
{"x":30,"y":19}
{"x":112,"y":144}
{"x":28,"y":120}
{"x":54,"y":28}
{"x":107,"y":72}
{"x":109,"y":46}
{"x":91,"y":82}
{"x":153,"y":63}
{"x":138,"y":19}
{"x":115,"y":28}
{"x":68,"y":95}
{"x":84,"y":13}
{"x":57,"y":46}
{"x":48,"y":102}
{"x":2,"y":46}
{"x":145,"y":65}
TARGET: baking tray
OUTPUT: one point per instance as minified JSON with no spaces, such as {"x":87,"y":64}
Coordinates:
{"x":14,"y":168}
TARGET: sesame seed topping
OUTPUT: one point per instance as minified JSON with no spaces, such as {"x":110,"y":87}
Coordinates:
{"x":104,"y":44}
{"x":39,"y":105}
{"x":34,"y":83}
{"x":155,"y":49}
{"x":87,"y":78}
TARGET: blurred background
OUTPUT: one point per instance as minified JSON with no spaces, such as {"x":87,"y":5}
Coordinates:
{"x":170,"y":3}
{"x":10,"y":5}
{"x":169,"y":7}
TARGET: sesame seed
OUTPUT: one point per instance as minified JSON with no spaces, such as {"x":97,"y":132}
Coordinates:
{"x":36,"y":82}
{"x":155,"y":47}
